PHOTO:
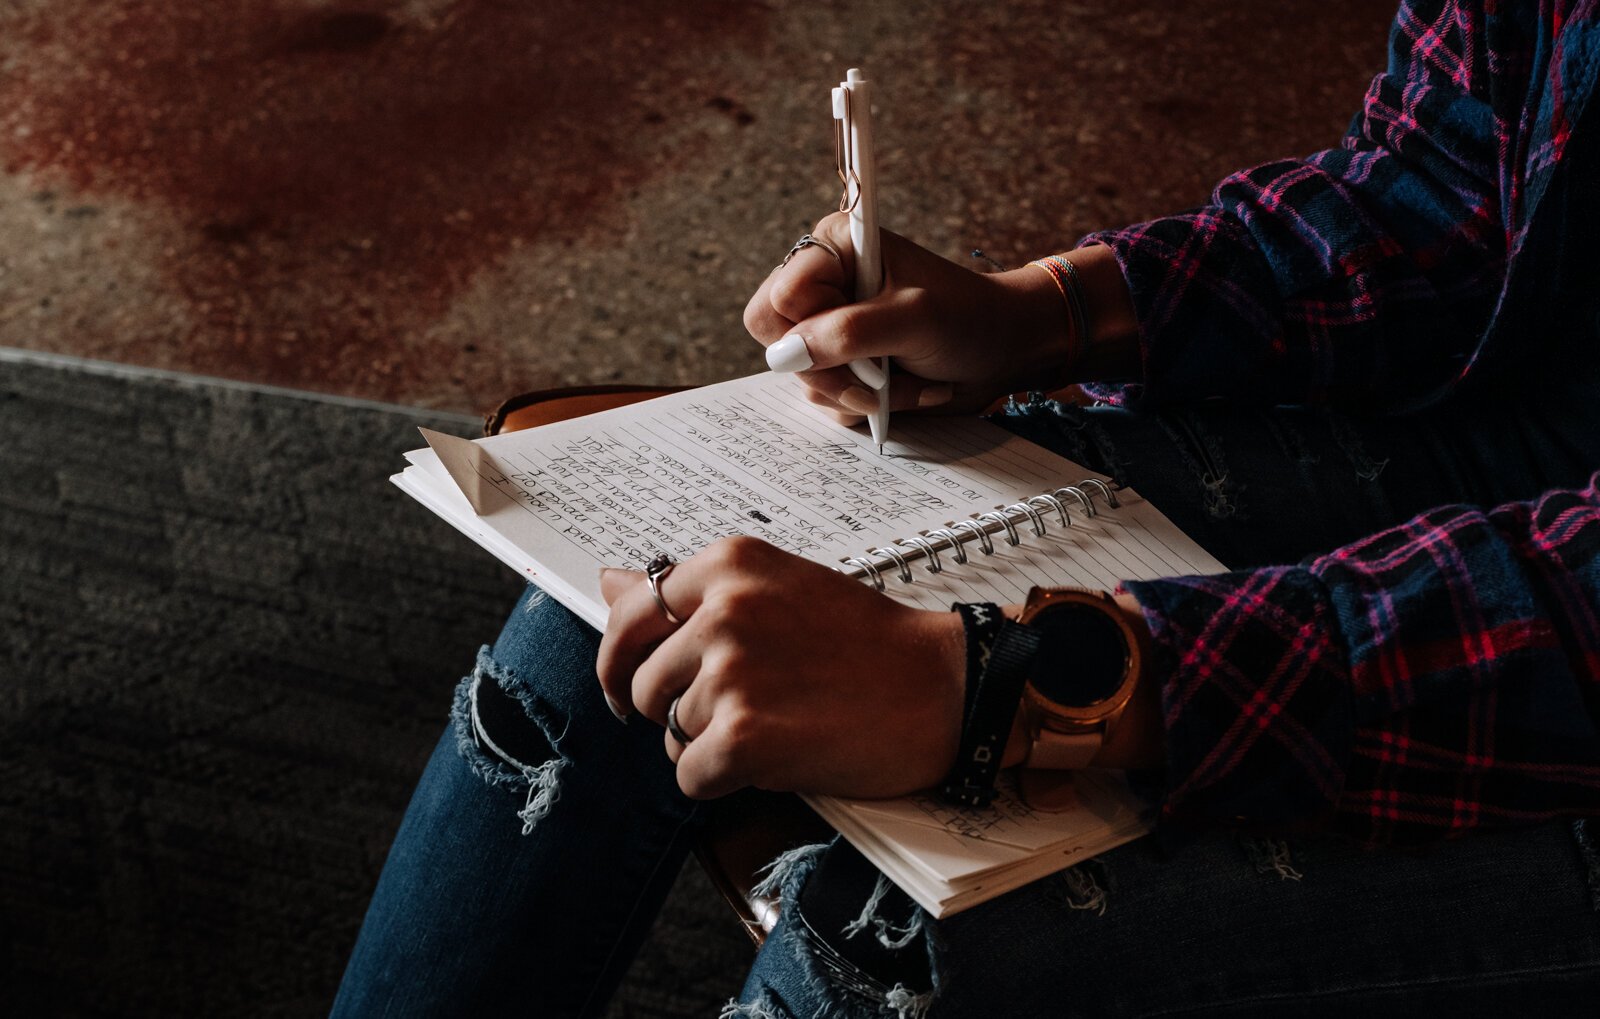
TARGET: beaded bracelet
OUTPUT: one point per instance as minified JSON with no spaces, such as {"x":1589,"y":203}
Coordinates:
{"x":1070,"y":283}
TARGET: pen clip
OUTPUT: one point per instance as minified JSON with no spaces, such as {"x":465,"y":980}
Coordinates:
{"x":841,"y":150}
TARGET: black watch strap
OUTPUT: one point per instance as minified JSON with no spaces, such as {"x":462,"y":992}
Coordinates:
{"x":1000,"y":655}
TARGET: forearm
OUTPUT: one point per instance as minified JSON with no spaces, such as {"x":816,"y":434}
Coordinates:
{"x":1109,"y":350}
{"x":1433,"y":678}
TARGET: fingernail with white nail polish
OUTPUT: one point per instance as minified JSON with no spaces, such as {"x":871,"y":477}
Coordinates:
{"x":616,"y":709}
{"x":859,"y":399}
{"x":935,"y":396}
{"x":789,"y":354}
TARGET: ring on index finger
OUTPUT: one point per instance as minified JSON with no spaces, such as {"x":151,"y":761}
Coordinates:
{"x":654,"y":571}
{"x":809,"y":241}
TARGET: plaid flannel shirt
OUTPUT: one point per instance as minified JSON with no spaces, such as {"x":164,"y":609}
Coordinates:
{"x":1443,"y":674}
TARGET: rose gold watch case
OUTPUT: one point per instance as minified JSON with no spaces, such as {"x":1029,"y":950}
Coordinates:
{"x":1046,"y":716}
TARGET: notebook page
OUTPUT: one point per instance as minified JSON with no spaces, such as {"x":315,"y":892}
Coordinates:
{"x":751,"y":457}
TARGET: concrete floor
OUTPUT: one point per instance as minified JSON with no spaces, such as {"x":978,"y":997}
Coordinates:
{"x":440,"y":202}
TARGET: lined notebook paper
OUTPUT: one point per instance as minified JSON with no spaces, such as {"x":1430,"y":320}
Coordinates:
{"x":750,"y":457}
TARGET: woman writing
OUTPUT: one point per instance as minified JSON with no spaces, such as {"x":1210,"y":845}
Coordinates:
{"x":1368,"y":381}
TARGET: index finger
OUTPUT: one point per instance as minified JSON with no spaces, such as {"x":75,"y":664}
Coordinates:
{"x":637,"y":624}
{"x":814,"y":280}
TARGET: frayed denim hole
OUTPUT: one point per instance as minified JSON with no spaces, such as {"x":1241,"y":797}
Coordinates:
{"x":844,"y":989}
{"x":763,"y":1007}
{"x":1366,"y":468}
{"x":846,"y":993}
{"x":1270,"y":856}
{"x":890,"y":935}
{"x":1085,"y":888}
{"x":1202,"y":454}
{"x":788,"y":871}
{"x":489,"y":761}
{"x":1083,"y":438}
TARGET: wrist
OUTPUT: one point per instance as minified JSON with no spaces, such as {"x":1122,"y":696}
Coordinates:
{"x":1096,"y":332}
{"x":1040,"y":327}
{"x":1111,"y":350}
{"x":941,"y":642}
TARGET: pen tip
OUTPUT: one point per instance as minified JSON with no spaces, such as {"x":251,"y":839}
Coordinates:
{"x":880,"y":449}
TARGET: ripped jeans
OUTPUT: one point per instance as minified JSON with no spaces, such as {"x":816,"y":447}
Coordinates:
{"x":541,"y":842}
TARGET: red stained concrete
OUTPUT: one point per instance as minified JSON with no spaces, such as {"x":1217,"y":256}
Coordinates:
{"x":442,"y":201}
{"x":340,"y":172}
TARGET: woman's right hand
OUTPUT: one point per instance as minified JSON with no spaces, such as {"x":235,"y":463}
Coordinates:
{"x":960,"y":339}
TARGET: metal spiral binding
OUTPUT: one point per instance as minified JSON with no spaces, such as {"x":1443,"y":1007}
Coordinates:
{"x":981,"y":528}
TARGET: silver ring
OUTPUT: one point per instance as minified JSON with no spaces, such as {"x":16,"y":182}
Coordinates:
{"x":673,"y":728}
{"x":809,"y":241}
{"x":658,"y":568}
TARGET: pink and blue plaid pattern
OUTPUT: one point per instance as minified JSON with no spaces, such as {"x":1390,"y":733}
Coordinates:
{"x":1444,"y":674}
{"x":1436,"y":677}
{"x":1375,"y":274}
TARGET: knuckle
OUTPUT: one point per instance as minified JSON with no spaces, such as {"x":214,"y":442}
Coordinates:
{"x":738,"y":551}
{"x":739,"y":735}
{"x":846,"y":328}
{"x":833,"y":226}
{"x":918,"y":301}
{"x":789,"y":295}
{"x":731,"y":664}
{"x":695,"y":784}
{"x":716,"y":615}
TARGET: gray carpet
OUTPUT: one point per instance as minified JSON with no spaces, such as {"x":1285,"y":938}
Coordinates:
{"x":227,"y":646}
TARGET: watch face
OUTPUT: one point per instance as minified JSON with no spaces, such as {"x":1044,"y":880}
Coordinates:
{"x":1083,"y":656}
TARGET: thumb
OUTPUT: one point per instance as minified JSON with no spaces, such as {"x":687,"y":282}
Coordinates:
{"x":885,"y":326}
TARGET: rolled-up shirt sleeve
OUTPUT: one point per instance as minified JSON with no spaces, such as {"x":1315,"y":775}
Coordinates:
{"x":1361,"y":275}
{"x":1437,"y":677}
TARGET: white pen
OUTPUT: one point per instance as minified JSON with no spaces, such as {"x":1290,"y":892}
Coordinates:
{"x":852,"y":104}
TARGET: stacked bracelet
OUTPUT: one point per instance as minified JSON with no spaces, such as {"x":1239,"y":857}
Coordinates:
{"x":996,"y":673}
{"x":1070,"y":284}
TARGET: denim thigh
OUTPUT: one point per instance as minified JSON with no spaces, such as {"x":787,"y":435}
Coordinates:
{"x":1498,"y":924}
{"x":527,"y":888}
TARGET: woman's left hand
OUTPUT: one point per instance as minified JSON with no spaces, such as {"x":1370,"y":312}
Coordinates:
{"x":790,"y":675}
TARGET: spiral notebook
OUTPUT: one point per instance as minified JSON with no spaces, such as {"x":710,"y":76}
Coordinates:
{"x":955,"y":509}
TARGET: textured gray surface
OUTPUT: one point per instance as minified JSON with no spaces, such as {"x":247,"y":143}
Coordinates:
{"x":227,"y":646}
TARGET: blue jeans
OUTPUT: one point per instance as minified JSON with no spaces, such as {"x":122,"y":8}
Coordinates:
{"x":527,"y":890}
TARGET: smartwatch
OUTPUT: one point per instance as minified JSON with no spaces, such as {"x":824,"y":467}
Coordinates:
{"x":1082,"y":676}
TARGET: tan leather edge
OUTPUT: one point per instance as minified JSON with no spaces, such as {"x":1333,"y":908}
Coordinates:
{"x":543,"y":406}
